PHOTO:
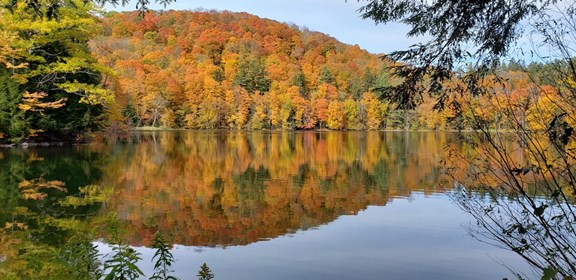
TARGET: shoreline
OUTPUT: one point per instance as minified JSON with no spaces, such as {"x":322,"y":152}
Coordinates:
{"x":100,"y":135}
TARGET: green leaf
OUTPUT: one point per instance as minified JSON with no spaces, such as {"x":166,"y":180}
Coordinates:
{"x":549,"y":273}
{"x":539,"y":211}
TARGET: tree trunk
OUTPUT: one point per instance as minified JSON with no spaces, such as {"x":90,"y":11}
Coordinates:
{"x":406,"y":120}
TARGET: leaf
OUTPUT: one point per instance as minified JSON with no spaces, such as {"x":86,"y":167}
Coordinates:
{"x":539,"y":211}
{"x":549,"y":273}
{"x":522,"y":230}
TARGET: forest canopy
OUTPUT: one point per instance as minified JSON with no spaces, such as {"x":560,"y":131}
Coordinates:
{"x":208,"y":69}
{"x":87,"y":70}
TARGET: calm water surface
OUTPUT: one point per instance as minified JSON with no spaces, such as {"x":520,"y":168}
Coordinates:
{"x":273,"y":205}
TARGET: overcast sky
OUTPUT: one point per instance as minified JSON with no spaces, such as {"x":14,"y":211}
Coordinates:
{"x":336,"y":18}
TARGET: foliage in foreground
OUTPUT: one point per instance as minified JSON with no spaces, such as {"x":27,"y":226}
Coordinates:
{"x":164,"y":260}
{"x":205,"y":273}
{"x":50,"y":84}
{"x":529,"y":173}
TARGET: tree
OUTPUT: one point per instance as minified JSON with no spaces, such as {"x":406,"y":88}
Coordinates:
{"x":454,"y":27}
{"x":200,"y":61}
{"x":335,"y":118}
{"x":430,"y":118}
{"x":52,"y":9}
{"x":252,"y":75}
{"x":375,"y":110}
{"x":521,"y":187}
{"x":352,"y":114}
{"x":325,"y":76}
{"x":406,"y":97}
{"x":299,"y":80}
{"x":58,"y":79}
{"x":13,"y":122}
{"x":259,"y":115}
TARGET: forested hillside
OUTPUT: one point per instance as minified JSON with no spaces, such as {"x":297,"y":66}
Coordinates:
{"x":211,"y":69}
{"x":62,"y":78}
{"x":208,"y":69}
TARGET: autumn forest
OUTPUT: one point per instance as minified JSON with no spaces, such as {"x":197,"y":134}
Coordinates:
{"x":218,"y":70}
{"x":270,"y":150}
{"x":207,"y":69}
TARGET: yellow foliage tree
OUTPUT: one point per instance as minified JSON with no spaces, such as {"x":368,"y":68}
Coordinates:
{"x":335,"y":115}
{"x":375,"y":110}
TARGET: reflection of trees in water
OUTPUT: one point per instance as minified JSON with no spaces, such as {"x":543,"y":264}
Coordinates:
{"x":538,"y":228}
{"x":528,"y":175}
{"x":224,"y":188}
{"x":522,"y":197}
{"x":74,"y":168}
{"x":46,"y":199}
{"x":202,"y":188}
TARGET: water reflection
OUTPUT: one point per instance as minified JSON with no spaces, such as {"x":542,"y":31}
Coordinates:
{"x":38,"y":179}
{"x":45,"y":199}
{"x":223,"y":188}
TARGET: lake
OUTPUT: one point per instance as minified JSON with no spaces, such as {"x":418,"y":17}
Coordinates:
{"x":256,"y":205}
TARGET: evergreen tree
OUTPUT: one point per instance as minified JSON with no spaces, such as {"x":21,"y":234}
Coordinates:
{"x":252,"y":75}
{"x":13,"y":122}
{"x":369,"y":80}
{"x":299,"y":80}
{"x":325,"y":76}
{"x":131,"y":115}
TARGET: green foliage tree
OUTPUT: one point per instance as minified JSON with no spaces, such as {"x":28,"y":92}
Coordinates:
{"x":489,"y":28}
{"x":299,"y":80}
{"x":325,"y":76}
{"x":52,"y":9}
{"x":252,"y":75}
{"x":455,"y":25}
{"x":13,"y":122}
{"x":368,"y":80}
{"x":58,"y":91}
{"x":131,"y":115}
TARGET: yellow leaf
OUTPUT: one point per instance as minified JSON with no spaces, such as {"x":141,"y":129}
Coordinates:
{"x":19,"y":66}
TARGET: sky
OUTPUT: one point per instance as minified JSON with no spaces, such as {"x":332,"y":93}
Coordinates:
{"x":337,"y":18}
